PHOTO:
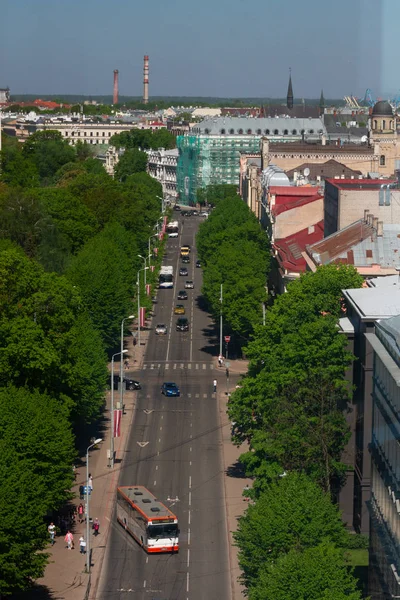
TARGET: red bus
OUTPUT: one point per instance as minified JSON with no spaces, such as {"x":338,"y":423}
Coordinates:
{"x":147,"y":519}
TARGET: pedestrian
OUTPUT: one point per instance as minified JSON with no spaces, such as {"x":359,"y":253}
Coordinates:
{"x":126,"y":363}
{"x":69,"y":540}
{"x":227,"y":373}
{"x":81,"y":492}
{"x":82,"y":545}
{"x":220,"y":360}
{"x":96,"y":527}
{"x":81,"y":510}
{"x":52,"y":532}
{"x":215,"y":385}
{"x":90,"y":482}
{"x":134,"y":341}
{"x":246,"y":490}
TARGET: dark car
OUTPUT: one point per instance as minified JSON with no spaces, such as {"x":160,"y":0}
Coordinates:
{"x":182,"y":324}
{"x":183,"y":271}
{"x":182,"y":295}
{"x":177,"y":207}
{"x":198,"y":264}
{"x":186,"y":259}
{"x":170,"y":389}
{"x":130,"y":384}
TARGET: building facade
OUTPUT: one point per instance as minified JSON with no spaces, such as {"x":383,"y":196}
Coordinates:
{"x":384,"y":569}
{"x":162,"y":165}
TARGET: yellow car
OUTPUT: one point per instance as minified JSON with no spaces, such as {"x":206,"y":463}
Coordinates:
{"x":179,"y":309}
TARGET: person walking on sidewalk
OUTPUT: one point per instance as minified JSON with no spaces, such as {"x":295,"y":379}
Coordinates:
{"x":81,"y":511}
{"x":82,"y":545}
{"x":220,"y":360}
{"x":69,"y":540}
{"x":90,"y":482}
{"x":215,"y":385}
{"x":52,"y":532}
{"x":96,"y":527}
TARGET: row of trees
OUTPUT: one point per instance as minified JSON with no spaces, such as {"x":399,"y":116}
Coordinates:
{"x":290,"y":411}
{"x":70,"y":236}
{"x":235,"y":253}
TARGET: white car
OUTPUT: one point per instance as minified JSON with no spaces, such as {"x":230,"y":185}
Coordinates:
{"x":173,"y":234}
{"x":161,"y":329}
{"x":189,"y":285}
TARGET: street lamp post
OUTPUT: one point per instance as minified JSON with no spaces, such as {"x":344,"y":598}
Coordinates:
{"x":162,"y":203}
{"x":121,"y":370}
{"x":220,"y":324}
{"x":138,"y":299}
{"x":87,"y":505}
{"x":112,"y":406}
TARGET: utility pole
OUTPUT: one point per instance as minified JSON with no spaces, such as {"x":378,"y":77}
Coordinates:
{"x":264,"y":314}
{"x":220,"y":324}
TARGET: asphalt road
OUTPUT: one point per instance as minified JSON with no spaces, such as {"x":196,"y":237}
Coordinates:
{"x":175,"y":450}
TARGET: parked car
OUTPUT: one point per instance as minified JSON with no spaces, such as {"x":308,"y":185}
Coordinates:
{"x":173,"y":234}
{"x":182,"y":324}
{"x":177,"y":207}
{"x":195,"y":213}
{"x":204,"y":215}
{"x":179,"y":309}
{"x":183,"y":271}
{"x":170,"y":389}
{"x":186,"y":259}
{"x":198,"y":264}
{"x":161,"y":329}
{"x":182,"y":295}
{"x":189,"y":285}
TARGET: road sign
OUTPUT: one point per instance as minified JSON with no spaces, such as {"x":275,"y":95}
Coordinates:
{"x":227,"y":338}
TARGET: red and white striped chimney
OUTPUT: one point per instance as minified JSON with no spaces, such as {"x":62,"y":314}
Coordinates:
{"x":146,"y":79}
{"x":115,"y":94}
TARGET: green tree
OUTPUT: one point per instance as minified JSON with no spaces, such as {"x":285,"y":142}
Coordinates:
{"x":16,"y":170}
{"x":48,"y":151}
{"x":104,"y":270}
{"x":213,"y":194}
{"x":292,"y":513}
{"x":132,"y":161}
{"x":318,"y":573}
{"x":36,"y":456}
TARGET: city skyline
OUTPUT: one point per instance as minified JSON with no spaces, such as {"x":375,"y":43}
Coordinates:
{"x":223,"y":50}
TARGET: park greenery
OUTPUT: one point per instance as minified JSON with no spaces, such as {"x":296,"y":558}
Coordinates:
{"x":144,"y":139}
{"x":235,"y":253}
{"x":70,"y":236}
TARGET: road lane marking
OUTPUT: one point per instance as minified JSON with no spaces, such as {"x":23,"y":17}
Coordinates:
{"x":167,"y":366}
{"x":187,"y":582}
{"x":204,"y":395}
{"x":144,"y":583}
{"x":197,"y":366}
{"x":155,"y":483}
{"x":188,"y":556}
{"x":204,"y":366}
{"x":175,"y":366}
{"x":190,"y":448}
{"x":189,"y":518}
{"x":182,"y":366}
{"x":162,"y":416}
{"x":156,"y":467}
{"x":190,"y":481}
{"x":147,"y":559}
{"x":188,"y":537}
{"x":197,"y":395}
{"x":189,"y":365}
{"x":190,"y":498}
{"x":159,"y":439}
{"x":189,"y":395}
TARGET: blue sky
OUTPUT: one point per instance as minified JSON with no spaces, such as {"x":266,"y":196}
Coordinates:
{"x":208,"y":48}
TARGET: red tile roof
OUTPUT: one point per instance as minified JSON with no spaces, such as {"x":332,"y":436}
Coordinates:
{"x":341,"y":242}
{"x":359,"y":184}
{"x":291,"y":190}
{"x":288,"y":203}
{"x":289,"y":250}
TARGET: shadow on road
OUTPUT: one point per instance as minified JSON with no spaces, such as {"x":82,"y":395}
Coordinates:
{"x":236,"y":470}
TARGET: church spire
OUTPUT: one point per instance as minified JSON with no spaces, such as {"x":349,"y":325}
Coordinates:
{"x":322,"y":103}
{"x":289,"y":99}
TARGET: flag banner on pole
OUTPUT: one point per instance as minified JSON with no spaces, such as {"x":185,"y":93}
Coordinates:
{"x":148,"y":289}
{"x":165,"y":221}
{"x":117,"y":423}
{"x":152,"y":267}
{"x":142,"y":316}
{"x":155,"y":252}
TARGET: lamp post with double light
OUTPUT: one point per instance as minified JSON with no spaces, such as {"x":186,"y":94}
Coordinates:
{"x":121,"y":370}
{"x":112,"y":405}
{"x":88,"y":491}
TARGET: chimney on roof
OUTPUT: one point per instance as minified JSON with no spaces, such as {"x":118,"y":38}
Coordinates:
{"x":366,"y":211}
{"x":370,"y":216}
{"x":379,"y":231}
{"x":375,"y":223}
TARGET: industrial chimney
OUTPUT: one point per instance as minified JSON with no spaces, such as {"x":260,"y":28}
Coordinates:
{"x":146,"y":80}
{"x":115,"y":94}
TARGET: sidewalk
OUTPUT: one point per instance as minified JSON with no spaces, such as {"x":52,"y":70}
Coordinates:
{"x":234,"y":480}
{"x":65,"y":576}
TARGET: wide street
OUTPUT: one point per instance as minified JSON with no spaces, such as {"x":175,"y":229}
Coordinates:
{"x":175,"y":450}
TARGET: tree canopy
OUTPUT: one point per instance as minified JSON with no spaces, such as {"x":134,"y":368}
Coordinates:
{"x":317,"y":573}
{"x":144,"y":139}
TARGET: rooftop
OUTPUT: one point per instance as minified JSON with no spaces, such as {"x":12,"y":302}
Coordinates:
{"x":357,"y":184}
{"x":308,"y":148}
{"x":260,"y":126}
{"x":146,"y":502}
{"x":290,"y":250}
{"x":374,"y":303}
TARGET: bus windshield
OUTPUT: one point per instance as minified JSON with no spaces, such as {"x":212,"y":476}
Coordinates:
{"x":162,"y":531}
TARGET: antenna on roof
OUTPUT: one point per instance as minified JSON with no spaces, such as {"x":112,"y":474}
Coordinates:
{"x":306,"y":172}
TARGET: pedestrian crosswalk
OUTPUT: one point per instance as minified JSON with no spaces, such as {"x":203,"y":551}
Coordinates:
{"x":190,"y":366}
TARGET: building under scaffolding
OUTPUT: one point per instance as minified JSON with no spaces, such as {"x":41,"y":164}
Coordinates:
{"x":211,"y":153}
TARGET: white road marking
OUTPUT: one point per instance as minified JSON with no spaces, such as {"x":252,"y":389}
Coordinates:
{"x":159,"y":439}
{"x":197,"y":395}
{"x":189,"y":537}
{"x":190,"y":463}
{"x":161,"y":428}
{"x":162,"y":416}
{"x":144,"y":583}
{"x":191,"y":436}
{"x":204,"y":366}
{"x":175,"y":366}
{"x":190,"y":448}
{"x":190,"y":481}
{"x":189,"y":395}
{"x":152,"y":366}
{"x":155,"y":483}
{"x":167,"y":366}
{"x":156,"y":467}
{"x":187,"y":582}
{"x":188,"y":557}
{"x":204,"y":395}
{"x":147,"y":559}
{"x":189,"y":518}
{"x":189,"y":365}
{"x":191,"y":424}
{"x":190,"y":498}
{"x":182,"y":366}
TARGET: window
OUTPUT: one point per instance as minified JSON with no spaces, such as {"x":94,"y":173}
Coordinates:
{"x":383,"y":124}
{"x":249,"y":131}
{"x":232,"y":131}
{"x":97,"y":133}
{"x":259,"y":132}
{"x":104,"y":134}
{"x":207,"y":131}
{"x":91,"y":133}
{"x":382,"y":160}
{"x":285,"y":132}
{"x":222,"y":131}
{"x":302,"y":131}
{"x":240,"y":131}
{"x":294,"y":132}
{"x":276,"y":132}
{"x":267,"y":132}
{"x":311,"y":130}
{"x":375,"y":124}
